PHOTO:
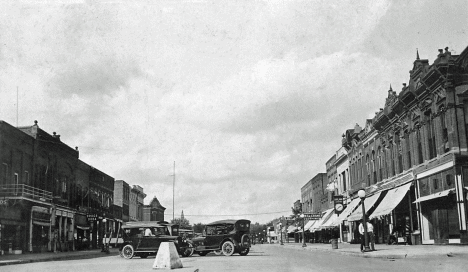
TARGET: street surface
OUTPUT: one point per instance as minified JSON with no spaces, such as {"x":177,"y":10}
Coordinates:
{"x":261,"y":258}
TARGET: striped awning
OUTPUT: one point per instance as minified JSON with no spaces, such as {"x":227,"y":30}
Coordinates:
{"x":368,"y":204}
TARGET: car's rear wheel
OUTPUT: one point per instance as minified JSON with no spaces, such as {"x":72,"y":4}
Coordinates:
{"x":202,"y":253}
{"x":228,"y":248}
{"x":218,"y":252}
{"x":128,"y":252}
{"x":245,"y":252}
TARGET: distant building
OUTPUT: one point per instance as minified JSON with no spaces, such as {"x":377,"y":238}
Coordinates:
{"x":154,"y":211}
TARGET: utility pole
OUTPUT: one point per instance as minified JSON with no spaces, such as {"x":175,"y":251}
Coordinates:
{"x":173,"y":193}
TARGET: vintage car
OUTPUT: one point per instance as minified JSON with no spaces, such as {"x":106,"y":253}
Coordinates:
{"x":224,"y":236}
{"x":143,"y":239}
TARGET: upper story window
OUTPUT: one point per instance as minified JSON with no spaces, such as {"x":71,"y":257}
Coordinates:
{"x":419,"y":144}
{"x":431,"y":136}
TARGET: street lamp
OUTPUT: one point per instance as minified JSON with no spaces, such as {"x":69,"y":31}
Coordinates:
{"x":281,"y":233}
{"x":362,"y":196}
{"x":105,"y":245}
{"x":303,"y":230}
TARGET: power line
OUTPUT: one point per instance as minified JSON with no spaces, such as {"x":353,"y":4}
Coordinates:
{"x":202,"y":215}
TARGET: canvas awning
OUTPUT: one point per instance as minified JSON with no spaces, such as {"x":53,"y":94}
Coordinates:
{"x":368,"y":203}
{"x":325,"y":217}
{"x":328,"y":224}
{"x":346,"y":212}
{"x":436,"y":195}
{"x":391,"y":200}
{"x":309,"y":224}
{"x":292,"y":229}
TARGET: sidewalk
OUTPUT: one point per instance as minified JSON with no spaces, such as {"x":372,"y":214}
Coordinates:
{"x":386,"y":251}
{"x":9,"y":259}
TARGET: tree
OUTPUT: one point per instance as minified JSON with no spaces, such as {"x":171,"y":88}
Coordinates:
{"x":198,"y":227}
{"x":296,"y":214}
{"x":182,"y":222}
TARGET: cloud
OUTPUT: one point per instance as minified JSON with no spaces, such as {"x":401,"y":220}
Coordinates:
{"x":249,"y":98}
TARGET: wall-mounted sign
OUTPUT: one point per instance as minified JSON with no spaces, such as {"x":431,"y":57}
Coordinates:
{"x":3,"y":202}
{"x":313,"y":216}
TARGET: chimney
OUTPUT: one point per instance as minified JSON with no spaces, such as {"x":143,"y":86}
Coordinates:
{"x":441,"y":53}
{"x":34,"y":129}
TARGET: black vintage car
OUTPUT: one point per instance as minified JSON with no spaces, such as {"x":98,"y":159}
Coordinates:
{"x":224,"y":236}
{"x":143,"y":239}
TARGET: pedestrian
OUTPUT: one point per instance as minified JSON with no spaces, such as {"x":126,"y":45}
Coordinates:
{"x":370,"y":235}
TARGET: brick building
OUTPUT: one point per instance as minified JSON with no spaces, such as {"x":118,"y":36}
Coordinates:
{"x":412,"y":157}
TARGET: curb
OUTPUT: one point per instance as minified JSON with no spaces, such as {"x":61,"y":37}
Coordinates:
{"x":355,"y":254}
{"x":55,"y":258}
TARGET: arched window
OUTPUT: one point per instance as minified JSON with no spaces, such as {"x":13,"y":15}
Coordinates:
{"x":373,"y":170}
{"x":380,"y":157}
{"x":368,"y":170}
{"x":431,"y":136}
{"x":443,"y":126}
{"x":399,"y":157}
{"x":409,"y":163}
{"x":419,"y":144}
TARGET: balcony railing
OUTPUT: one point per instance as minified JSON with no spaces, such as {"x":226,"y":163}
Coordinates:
{"x":24,"y":191}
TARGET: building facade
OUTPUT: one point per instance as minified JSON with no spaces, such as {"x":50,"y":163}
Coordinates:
{"x":411,"y":158}
{"x":50,"y":200}
{"x":154,"y":211}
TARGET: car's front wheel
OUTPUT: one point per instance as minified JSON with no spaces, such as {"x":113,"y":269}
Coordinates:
{"x":188,"y":251}
{"x":245,"y":252}
{"x":128,"y":252}
{"x":227,"y":248}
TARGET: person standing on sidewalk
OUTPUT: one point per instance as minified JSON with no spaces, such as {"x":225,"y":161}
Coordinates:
{"x":370,"y":234}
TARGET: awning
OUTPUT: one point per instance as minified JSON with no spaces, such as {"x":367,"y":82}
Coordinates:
{"x":82,"y":227}
{"x":309,"y":224}
{"x":391,"y":200}
{"x":325,"y":217}
{"x":292,"y":229}
{"x":41,"y":223}
{"x":369,"y":202}
{"x":436,"y":195}
{"x":346,"y":212}
{"x":328,"y":224}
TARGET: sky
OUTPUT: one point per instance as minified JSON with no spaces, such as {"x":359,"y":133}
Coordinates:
{"x":248,"y":99}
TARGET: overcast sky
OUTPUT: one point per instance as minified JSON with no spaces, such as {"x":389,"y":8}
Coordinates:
{"x":249,"y":98}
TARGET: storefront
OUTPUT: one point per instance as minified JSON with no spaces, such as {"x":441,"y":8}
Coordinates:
{"x":12,"y":229}
{"x":442,"y":205}
{"x":40,"y":229}
{"x":64,"y":229}
{"x":82,"y":232}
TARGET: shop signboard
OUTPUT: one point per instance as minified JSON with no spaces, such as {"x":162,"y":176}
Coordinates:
{"x":4,"y":202}
{"x":313,"y":216}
